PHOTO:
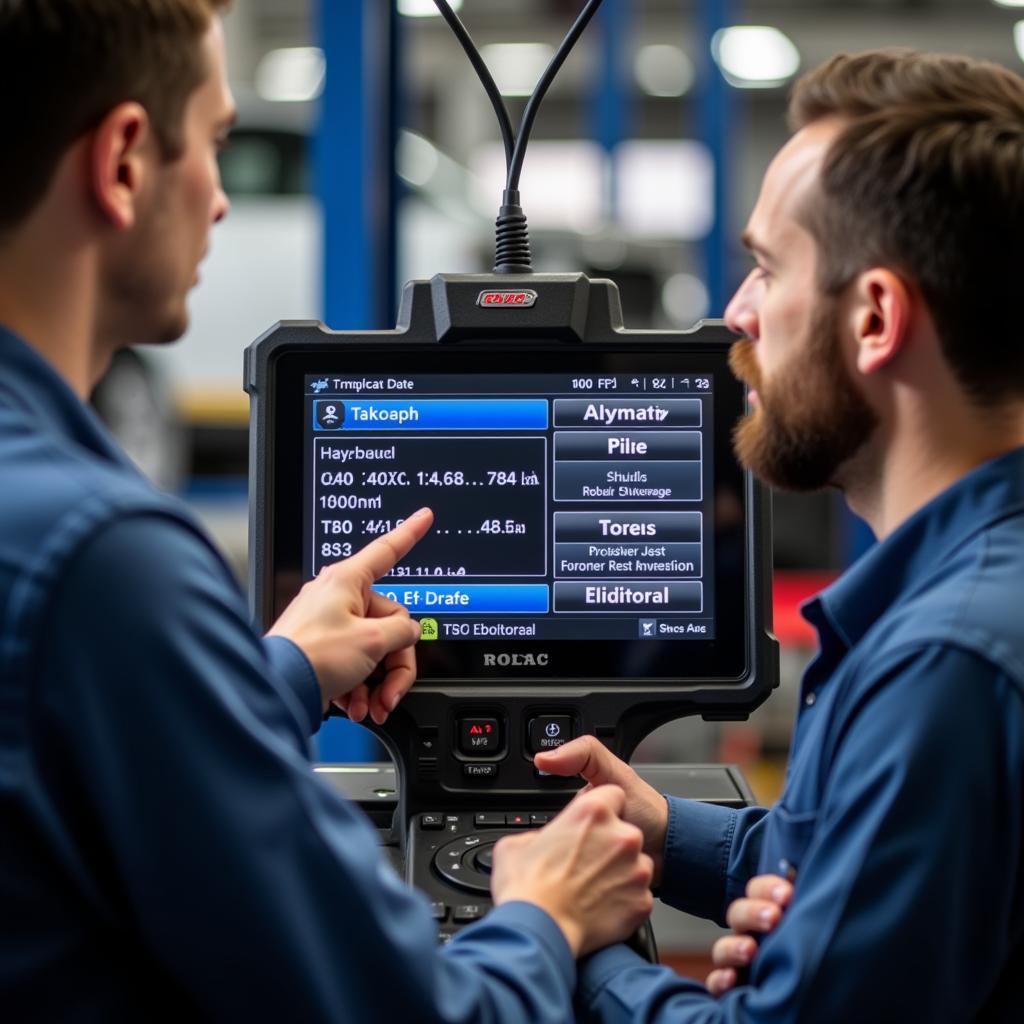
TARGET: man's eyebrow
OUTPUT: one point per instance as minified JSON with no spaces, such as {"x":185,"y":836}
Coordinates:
{"x":751,"y":244}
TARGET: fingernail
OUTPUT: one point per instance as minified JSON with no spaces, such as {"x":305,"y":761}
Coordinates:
{"x":747,"y":951}
{"x":779,"y":893}
{"x":767,"y":916}
{"x":420,"y":513}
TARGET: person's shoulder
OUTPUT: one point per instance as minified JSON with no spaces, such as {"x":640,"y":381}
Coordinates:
{"x":972,"y":601}
{"x":57,"y":494}
{"x":53,"y":476}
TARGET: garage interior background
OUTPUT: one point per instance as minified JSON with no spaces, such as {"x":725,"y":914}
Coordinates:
{"x":366,"y":154}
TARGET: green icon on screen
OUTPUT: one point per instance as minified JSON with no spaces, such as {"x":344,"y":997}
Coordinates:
{"x":428,"y":629}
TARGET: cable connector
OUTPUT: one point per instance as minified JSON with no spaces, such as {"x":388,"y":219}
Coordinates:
{"x":512,"y":239}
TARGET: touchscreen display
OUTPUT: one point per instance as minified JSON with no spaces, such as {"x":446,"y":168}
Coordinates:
{"x":567,"y":507}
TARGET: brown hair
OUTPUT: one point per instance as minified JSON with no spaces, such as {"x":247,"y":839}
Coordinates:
{"x":927,"y":177}
{"x":64,"y":64}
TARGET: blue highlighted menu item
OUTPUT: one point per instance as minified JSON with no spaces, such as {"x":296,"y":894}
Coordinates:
{"x":464,"y":599}
{"x":352,"y":414}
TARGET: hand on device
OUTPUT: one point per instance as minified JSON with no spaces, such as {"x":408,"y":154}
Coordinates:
{"x":345,"y":628}
{"x":586,"y":869}
{"x":759,"y":912}
{"x":645,"y":806}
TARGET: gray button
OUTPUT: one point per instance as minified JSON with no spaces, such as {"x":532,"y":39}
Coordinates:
{"x":623,"y":446}
{"x":628,"y":481}
{"x":628,"y":413}
{"x":629,"y":595}
{"x":629,"y":559}
{"x":648,"y":629}
{"x":628,"y":527}
{"x":810,"y":699}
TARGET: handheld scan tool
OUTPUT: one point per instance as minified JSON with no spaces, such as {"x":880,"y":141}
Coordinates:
{"x":598,"y":563}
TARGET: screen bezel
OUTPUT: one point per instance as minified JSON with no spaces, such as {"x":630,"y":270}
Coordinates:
{"x":616,"y":662}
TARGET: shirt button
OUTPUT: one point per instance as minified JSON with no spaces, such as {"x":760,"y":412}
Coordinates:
{"x":810,"y":699}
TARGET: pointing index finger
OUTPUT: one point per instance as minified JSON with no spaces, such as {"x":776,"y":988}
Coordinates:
{"x":379,"y":557}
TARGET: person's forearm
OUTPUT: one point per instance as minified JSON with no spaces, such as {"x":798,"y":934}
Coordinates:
{"x":710,"y":851}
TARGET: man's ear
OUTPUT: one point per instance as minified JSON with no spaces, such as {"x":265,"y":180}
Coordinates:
{"x":117,"y":161}
{"x":880,"y":314}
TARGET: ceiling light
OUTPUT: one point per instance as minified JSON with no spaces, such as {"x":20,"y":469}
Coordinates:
{"x":424,"y":8}
{"x":663,"y":70}
{"x":517,"y":66}
{"x":755,"y":56}
{"x":417,"y":158}
{"x":1008,"y":3}
{"x":1018,"y":38}
{"x":685,"y":299}
{"x":665,"y":188}
{"x":291,"y":75}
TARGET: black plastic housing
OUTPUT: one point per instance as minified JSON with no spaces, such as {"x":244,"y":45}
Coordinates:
{"x":574,"y":321}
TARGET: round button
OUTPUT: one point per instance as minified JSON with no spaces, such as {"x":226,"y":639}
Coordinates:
{"x":459,"y":862}
{"x":485,"y":859}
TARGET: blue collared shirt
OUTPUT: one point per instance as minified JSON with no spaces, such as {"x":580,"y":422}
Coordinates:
{"x":166,"y":851}
{"x":902,"y":817}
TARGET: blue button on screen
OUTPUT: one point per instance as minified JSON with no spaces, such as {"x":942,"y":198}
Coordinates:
{"x":358,"y":414}
{"x":454,"y":599}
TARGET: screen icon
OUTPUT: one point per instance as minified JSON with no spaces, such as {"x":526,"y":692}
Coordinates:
{"x":648,"y":629}
{"x":330,"y":415}
{"x":428,"y":629}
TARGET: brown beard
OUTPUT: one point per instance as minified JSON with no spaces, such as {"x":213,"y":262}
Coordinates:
{"x":810,"y":418}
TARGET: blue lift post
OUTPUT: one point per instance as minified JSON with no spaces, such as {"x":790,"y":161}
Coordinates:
{"x":355,"y":181}
{"x":354,"y":161}
{"x":717,"y":122}
{"x":611,"y":98}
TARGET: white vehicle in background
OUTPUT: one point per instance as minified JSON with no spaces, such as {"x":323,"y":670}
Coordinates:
{"x":180,"y":409}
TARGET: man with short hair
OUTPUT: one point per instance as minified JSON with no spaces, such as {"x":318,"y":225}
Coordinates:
{"x":166,"y":851}
{"x":880,"y":345}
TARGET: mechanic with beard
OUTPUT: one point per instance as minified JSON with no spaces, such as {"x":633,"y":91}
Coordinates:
{"x":883,"y":355}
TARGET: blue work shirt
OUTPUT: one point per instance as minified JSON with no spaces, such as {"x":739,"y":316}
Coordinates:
{"x":901,"y":818}
{"x":166,"y":851}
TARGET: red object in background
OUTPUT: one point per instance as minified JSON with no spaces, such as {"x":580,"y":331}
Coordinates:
{"x":789,"y":591}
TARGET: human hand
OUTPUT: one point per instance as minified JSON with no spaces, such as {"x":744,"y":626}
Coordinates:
{"x":345,"y":628}
{"x":585,"y":868}
{"x":760,"y":911}
{"x":645,"y":806}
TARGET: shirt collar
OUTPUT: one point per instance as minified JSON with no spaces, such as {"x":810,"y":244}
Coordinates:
{"x":873,"y":584}
{"x":31,"y":384}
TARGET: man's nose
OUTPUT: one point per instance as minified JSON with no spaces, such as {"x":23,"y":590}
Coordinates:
{"x":741,"y":313}
{"x":221,"y":206}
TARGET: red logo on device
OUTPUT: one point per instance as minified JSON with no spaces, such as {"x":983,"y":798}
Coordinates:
{"x":523,"y":298}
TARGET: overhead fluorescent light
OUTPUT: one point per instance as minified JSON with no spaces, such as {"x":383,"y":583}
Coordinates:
{"x":755,"y":56}
{"x":1018,"y":38}
{"x":294,"y":74}
{"x":663,"y":70}
{"x":517,"y":66}
{"x":665,"y":188}
{"x":685,"y":299}
{"x":1008,"y":3}
{"x":417,"y":158}
{"x":424,"y":8}
{"x":562,"y":182}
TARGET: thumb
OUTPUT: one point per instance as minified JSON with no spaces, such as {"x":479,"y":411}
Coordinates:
{"x":586,"y":756}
